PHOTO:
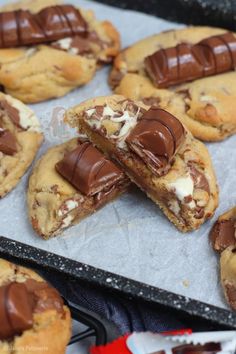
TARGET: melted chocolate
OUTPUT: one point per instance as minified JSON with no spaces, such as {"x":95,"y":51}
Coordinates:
{"x":8,"y":143}
{"x":88,"y":170}
{"x":186,"y":62}
{"x":19,"y":302}
{"x":81,"y":45}
{"x":200,"y":181}
{"x":156,"y":138}
{"x":223,"y":234}
{"x":21,"y":27}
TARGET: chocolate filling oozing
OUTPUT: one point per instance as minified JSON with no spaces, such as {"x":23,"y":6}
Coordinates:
{"x":223,"y":234}
{"x":187,"y":62}
{"x":89,"y":171}
{"x":22,"y":28}
{"x":19,"y":302}
{"x":156,"y":139}
{"x":200,"y":181}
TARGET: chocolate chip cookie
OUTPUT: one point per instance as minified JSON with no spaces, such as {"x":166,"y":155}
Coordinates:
{"x":157,"y":71}
{"x":20,"y":139}
{"x":70,"y":182}
{"x":223,"y":239}
{"x":51,"y":50}
{"x":157,"y":152}
{"x":32,"y":313}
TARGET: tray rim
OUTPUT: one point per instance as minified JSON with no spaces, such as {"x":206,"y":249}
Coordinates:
{"x":115,"y":282}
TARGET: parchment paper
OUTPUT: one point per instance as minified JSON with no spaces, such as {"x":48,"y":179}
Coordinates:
{"x":130,"y":236}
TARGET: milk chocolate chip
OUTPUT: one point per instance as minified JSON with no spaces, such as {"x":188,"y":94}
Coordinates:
{"x":187,"y":62}
{"x":88,"y":170}
{"x":11,"y":111}
{"x":156,"y":138}
{"x":223,"y":234}
{"x":8,"y":143}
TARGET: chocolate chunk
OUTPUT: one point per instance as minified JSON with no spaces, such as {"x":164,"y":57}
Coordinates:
{"x":186,"y":62}
{"x":11,"y":111}
{"x":223,"y":234}
{"x":81,"y":44}
{"x":16,"y":311}
{"x":45,"y":296}
{"x":88,"y":170}
{"x":156,"y":138}
{"x":151,"y":101}
{"x":8,"y":143}
{"x":78,"y":44}
{"x":20,"y":27}
{"x":29,"y":31}
{"x":200,"y":181}
{"x":208,"y":348}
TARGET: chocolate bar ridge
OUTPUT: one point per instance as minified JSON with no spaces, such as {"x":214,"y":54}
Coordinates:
{"x":187,"y":62}
{"x":22,"y":28}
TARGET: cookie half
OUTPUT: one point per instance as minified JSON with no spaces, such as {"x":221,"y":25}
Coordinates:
{"x":70,"y":182}
{"x":223,"y":239}
{"x":206,"y":106}
{"x":157,"y":152}
{"x":33,"y":315}
{"x":20,"y":139}
{"x":42,"y":71}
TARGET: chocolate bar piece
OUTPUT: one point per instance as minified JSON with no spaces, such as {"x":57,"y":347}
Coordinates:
{"x":8,"y":143}
{"x":156,"y":139}
{"x":22,"y":28}
{"x":19,"y":302}
{"x":88,"y":170}
{"x":79,"y":181}
{"x":156,"y":152}
{"x":16,"y":310}
{"x":223,"y":233}
{"x":187,"y":62}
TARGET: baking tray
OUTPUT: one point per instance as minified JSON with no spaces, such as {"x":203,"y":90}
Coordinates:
{"x":93,"y":239}
{"x":198,"y":12}
{"x":184,"y":306}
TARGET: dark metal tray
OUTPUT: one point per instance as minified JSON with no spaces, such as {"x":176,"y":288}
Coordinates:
{"x":67,"y":269}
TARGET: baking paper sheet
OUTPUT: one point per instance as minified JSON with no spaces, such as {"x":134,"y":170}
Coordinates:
{"x":130,"y":236}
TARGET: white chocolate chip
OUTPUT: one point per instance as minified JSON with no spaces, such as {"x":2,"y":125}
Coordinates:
{"x":90,"y":111}
{"x":67,"y":221}
{"x":67,"y":207}
{"x":108,"y":111}
{"x":183,"y":187}
{"x":74,"y":51}
{"x":129,"y":124}
{"x":209,"y":99}
{"x":174,"y":206}
{"x":28,"y":119}
{"x":64,"y":43}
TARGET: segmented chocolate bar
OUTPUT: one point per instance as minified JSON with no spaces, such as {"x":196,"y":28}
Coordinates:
{"x":89,"y":171}
{"x":187,"y":62}
{"x":22,"y":28}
